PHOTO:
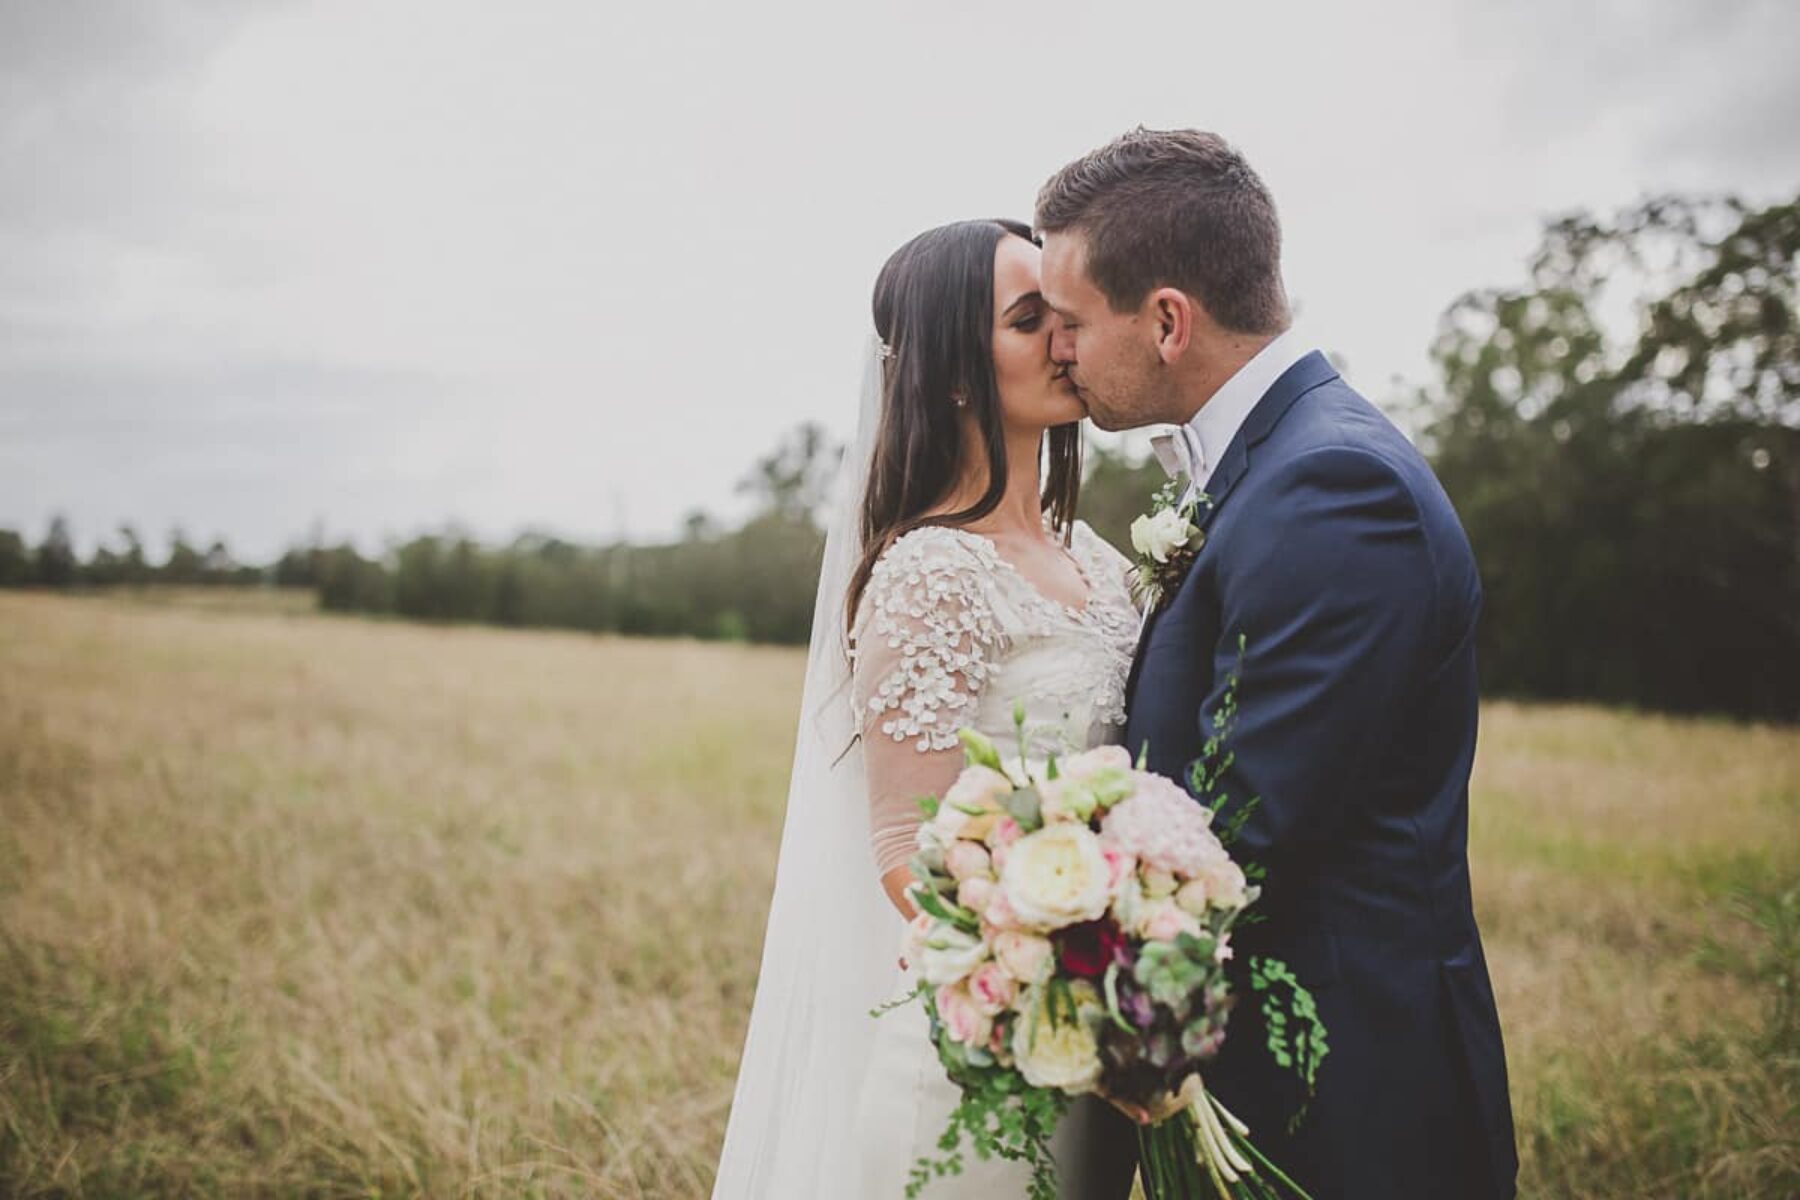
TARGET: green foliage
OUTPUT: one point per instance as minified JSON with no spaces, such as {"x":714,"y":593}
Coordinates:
{"x":1634,"y":501}
{"x":1296,"y":1035}
{"x":1207,"y":773}
{"x":978,"y":750}
{"x":999,"y":1116}
{"x":935,"y":903}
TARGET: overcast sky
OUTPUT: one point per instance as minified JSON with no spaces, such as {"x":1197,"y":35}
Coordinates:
{"x":573,"y":266}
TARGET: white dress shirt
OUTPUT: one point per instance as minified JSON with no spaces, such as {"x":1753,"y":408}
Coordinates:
{"x":1200,"y":444}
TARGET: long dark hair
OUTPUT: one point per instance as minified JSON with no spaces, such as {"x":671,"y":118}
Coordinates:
{"x":934,"y":308}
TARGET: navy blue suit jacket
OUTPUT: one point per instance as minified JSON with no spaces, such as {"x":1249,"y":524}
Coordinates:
{"x":1332,"y":549}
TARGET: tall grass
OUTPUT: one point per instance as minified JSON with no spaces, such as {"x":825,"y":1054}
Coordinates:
{"x":296,"y":906}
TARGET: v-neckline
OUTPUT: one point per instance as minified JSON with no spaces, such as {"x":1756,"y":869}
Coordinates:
{"x":1087,"y":603}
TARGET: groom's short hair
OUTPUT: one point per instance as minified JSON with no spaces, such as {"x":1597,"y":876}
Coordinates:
{"x":1176,"y":208}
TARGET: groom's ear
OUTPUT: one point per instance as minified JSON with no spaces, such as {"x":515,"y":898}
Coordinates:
{"x":1171,"y":316}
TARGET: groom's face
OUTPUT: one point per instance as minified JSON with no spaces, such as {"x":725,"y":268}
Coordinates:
{"x":1110,"y":357}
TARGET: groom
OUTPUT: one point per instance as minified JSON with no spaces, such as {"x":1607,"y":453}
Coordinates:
{"x":1332,"y":550}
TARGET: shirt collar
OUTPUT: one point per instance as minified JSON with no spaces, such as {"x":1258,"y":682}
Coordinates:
{"x":1210,"y":431}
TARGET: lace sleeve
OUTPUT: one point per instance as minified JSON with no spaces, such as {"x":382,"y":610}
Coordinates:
{"x":926,"y":645}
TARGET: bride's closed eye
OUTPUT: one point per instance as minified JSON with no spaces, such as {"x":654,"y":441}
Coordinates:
{"x":1029,"y":313}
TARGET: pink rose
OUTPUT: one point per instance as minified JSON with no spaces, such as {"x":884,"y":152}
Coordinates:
{"x":999,"y":911}
{"x":963,"y":1021}
{"x":1027,"y":957}
{"x":1119,"y":865}
{"x":1100,"y":758}
{"x":976,"y":893}
{"x":997,"y":1045}
{"x":1167,"y":921}
{"x":991,"y":988}
{"x":965,"y":860}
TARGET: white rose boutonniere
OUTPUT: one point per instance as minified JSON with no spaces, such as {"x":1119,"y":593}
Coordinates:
{"x":1166,"y":540}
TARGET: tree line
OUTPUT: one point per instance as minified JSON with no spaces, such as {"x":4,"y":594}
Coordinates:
{"x":1631,"y":485}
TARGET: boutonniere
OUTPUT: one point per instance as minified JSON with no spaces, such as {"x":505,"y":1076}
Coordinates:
{"x":1166,"y":540}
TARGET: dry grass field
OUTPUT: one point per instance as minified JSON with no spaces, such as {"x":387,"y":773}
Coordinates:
{"x":302,"y":906}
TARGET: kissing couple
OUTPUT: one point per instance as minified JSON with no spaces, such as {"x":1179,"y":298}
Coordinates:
{"x":1328,"y":576}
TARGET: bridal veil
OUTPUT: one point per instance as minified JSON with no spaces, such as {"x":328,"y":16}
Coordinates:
{"x":832,"y":936}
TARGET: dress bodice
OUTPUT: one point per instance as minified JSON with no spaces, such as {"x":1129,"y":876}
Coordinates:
{"x":950,"y":634}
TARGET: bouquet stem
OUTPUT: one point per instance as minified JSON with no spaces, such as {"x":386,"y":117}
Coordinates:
{"x":1205,"y":1151}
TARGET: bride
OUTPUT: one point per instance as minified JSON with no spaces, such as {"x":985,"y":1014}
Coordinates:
{"x":956,"y":582}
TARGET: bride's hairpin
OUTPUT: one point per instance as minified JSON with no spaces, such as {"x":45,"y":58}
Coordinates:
{"x":883,"y":351}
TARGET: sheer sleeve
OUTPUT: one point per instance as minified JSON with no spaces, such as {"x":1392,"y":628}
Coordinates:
{"x":926,"y":645}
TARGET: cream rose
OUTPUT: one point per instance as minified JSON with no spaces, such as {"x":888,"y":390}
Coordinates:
{"x":1160,"y":534}
{"x":1065,"y":1054}
{"x":1056,"y":877}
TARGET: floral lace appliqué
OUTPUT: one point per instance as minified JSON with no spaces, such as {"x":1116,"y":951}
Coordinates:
{"x":927,"y":619}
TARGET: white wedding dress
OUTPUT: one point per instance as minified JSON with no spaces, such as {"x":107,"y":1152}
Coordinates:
{"x":950,"y":634}
{"x":830,"y":1103}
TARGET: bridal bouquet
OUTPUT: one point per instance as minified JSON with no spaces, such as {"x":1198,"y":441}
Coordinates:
{"x":1075,"y":921}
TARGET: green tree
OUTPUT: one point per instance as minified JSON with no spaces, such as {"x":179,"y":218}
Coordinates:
{"x":57,"y":565}
{"x":791,"y":481}
{"x":184,"y":564}
{"x":1634,"y":498}
{"x":1116,"y":492}
{"x":15,"y":560}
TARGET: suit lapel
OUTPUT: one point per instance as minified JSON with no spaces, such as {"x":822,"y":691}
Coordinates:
{"x":1296,"y":381}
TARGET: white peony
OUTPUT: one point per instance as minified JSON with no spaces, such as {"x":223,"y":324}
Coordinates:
{"x":1056,"y":877}
{"x":1160,"y":534}
{"x":1059,"y":1054}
